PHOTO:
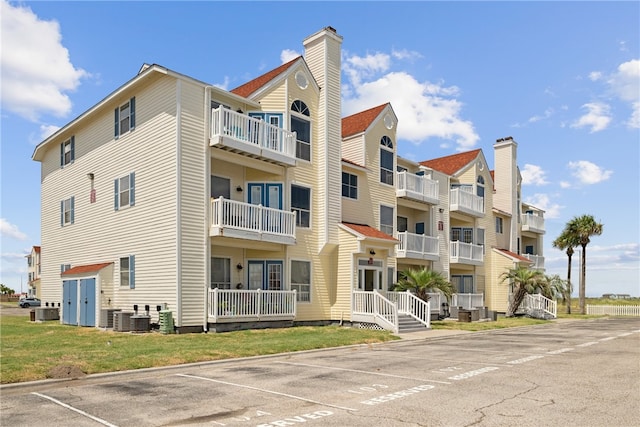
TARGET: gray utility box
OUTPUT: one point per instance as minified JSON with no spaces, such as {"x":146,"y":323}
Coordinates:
{"x":47,"y":313}
{"x":122,"y":321}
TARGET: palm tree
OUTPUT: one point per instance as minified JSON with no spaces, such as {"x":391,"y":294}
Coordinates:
{"x":556,"y":287}
{"x":423,"y":281}
{"x":581,"y":229}
{"x":525,"y":281}
{"x":566,"y":241}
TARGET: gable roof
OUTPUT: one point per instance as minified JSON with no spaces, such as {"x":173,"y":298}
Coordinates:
{"x":359,"y":122}
{"x":366,"y":231}
{"x":453,"y":163}
{"x":82,"y":269}
{"x":36,"y":249}
{"x":514,"y":256}
{"x":251,"y":86}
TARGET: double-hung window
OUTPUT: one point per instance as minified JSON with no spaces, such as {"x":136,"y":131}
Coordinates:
{"x":386,"y":160}
{"x":301,"y":124}
{"x":124,"y":191}
{"x":349,"y":185}
{"x":386,"y":219}
{"x":67,"y":208}
{"x":301,"y":205}
{"x":127,"y":271}
{"x":125,"y":118}
{"x":301,"y":280}
{"x":67,"y":151}
{"x":499,"y":225}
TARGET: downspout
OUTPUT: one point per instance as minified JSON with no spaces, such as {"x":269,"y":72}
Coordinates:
{"x":178,"y":203}
{"x":207,"y":204}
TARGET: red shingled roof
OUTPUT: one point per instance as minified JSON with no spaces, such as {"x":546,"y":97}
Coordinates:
{"x":453,"y":163}
{"x":359,"y":122}
{"x":37,"y":249}
{"x":368,"y":231}
{"x":515,"y":255}
{"x":248,"y":88}
{"x":353,"y":163}
{"x":92,"y":268}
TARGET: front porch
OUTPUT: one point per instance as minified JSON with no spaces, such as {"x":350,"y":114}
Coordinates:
{"x":231,"y":306}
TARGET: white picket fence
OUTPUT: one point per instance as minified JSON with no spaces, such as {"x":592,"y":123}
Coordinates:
{"x":614,"y":310}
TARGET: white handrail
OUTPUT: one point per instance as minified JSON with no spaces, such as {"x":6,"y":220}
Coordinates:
{"x":466,"y":200}
{"x":384,"y":312}
{"x":467,"y":301}
{"x":249,"y":217}
{"x":259,"y":304}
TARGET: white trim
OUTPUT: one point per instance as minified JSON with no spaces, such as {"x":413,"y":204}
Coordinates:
{"x":178,"y":204}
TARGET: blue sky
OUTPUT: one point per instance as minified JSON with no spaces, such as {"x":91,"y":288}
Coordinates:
{"x":562,"y":78}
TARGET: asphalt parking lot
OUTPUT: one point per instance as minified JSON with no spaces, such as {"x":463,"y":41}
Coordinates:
{"x":576,"y":373}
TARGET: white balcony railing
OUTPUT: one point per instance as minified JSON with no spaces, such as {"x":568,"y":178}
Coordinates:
{"x":417,"y":246}
{"x":254,"y":222}
{"x":538,"y":261}
{"x":252,"y":136}
{"x":250,"y":305}
{"x":417,"y":187}
{"x":533,"y":223}
{"x":465,"y":253}
{"x":467,"y":301}
{"x":466,"y":202}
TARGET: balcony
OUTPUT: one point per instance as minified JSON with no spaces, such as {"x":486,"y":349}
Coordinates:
{"x":465,"y":202}
{"x":465,"y":253}
{"x":252,"y":222}
{"x":416,"y":187}
{"x":250,"y":306}
{"x":538,"y":261}
{"x":252,"y":137}
{"x":533,"y":223}
{"x":417,"y":246}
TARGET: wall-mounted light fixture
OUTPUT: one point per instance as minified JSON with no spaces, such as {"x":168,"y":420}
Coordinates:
{"x":90,"y":176}
{"x":239,"y":189}
{"x":372,"y":252}
{"x":239,"y":266}
{"x":440,"y":210}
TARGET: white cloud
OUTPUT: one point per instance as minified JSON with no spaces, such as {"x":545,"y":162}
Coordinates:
{"x":13,"y":255}
{"x":625,"y":247}
{"x":424,"y":109}
{"x":565,"y":184}
{"x":10,"y":230}
{"x":543,"y":201}
{"x":36,"y":69}
{"x":625,"y":83}
{"x":533,"y":175}
{"x":595,"y":75}
{"x":597,"y":117}
{"x":406,"y":54}
{"x":588,"y":173}
{"x":287,"y":55}
{"x":547,"y":113}
{"x":47,"y":130}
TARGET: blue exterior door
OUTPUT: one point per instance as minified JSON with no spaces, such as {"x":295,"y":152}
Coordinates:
{"x":88,"y":302}
{"x":266,"y":275}
{"x":70,"y":302}
{"x":265,"y":194}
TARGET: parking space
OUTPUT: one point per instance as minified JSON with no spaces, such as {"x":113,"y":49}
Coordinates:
{"x":505,"y":377}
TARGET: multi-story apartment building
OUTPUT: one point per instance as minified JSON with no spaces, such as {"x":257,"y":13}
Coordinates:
{"x":261,"y":204}
{"x":33,"y":271}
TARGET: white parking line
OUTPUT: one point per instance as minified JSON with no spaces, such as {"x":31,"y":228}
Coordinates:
{"x":64,"y":405}
{"x":626,"y":334}
{"x":357,"y":371}
{"x":607,"y":339}
{"x":587,"y":344}
{"x":267,"y":391}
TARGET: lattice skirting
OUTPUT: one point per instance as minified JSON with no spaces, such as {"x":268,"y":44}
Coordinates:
{"x":374,"y":326}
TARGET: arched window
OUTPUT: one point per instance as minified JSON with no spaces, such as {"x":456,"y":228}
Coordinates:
{"x":386,"y":160}
{"x":480,"y":186}
{"x":302,"y":126}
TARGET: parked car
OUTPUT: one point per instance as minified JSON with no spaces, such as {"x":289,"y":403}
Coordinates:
{"x":29,"y":302}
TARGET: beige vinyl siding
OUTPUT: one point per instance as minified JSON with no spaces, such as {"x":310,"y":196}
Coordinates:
{"x":346,"y":274}
{"x":100,"y":234}
{"x":359,"y":211}
{"x":442,"y":265}
{"x":353,"y":150}
{"x":193,"y":222}
{"x":497,"y":293}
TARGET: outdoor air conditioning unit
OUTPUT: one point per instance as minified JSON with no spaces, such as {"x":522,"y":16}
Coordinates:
{"x":122,"y":321}
{"x":45,"y":313}
{"x":106,"y":317}
{"x":140,"y":323}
